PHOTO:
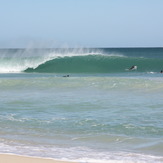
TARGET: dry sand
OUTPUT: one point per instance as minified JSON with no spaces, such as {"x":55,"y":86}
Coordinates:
{"x":9,"y":158}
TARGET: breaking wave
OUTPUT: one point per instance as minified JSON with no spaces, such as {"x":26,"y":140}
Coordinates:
{"x":73,"y":61}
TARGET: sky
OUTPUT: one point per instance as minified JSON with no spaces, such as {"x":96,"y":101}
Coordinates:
{"x":81,"y":23}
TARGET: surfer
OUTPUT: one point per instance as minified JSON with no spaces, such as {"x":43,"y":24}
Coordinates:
{"x":133,"y":68}
{"x":66,"y":76}
{"x":161,"y":71}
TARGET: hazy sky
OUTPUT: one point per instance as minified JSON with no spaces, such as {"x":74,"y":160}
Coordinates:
{"x":81,"y":23}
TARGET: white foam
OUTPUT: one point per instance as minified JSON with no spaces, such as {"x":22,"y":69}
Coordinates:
{"x":21,"y":60}
{"x":78,"y":154}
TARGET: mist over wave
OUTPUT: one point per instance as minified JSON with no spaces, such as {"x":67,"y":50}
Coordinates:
{"x":19,"y":60}
{"x":82,"y":60}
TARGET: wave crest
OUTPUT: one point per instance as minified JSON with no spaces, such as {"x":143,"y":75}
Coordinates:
{"x":20,"y":60}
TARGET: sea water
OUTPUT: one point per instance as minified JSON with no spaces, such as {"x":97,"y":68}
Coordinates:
{"x":102,"y":112}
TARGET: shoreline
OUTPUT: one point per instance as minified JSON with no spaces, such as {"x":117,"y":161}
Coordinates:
{"x":13,"y":158}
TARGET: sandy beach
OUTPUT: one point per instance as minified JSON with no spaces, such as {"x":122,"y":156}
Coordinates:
{"x":9,"y":158}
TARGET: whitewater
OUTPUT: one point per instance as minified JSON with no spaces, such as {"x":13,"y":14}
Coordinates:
{"x":102,"y":113}
{"x":18,"y":60}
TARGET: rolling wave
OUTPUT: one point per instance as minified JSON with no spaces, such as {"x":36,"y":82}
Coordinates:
{"x":97,"y":64}
{"x":79,"y":60}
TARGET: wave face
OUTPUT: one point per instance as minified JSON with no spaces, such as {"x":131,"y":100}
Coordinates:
{"x":96,"y":64}
{"x":104,"y":60}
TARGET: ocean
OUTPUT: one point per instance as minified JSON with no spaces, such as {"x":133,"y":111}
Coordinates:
{"x":102,"y":113}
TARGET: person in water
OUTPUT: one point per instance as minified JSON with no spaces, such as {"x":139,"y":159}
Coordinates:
{"x":66,"y":76}
{"x":161,"y":71}
{"x":133,"y":68}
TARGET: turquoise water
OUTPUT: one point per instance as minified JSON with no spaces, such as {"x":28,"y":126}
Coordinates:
{"x":93,"y":116}
{"x":102,"y":60}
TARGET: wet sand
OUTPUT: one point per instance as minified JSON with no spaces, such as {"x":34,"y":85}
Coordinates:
{"x":10,"y":158}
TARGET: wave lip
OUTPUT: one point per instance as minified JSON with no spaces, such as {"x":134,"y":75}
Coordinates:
{"x":97,"y":63}
{"x":18,"y":60}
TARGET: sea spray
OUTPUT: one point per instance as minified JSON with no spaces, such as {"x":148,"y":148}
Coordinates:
{"x":18,"y":60}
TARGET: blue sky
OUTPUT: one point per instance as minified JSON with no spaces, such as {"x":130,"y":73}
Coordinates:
{"x":81,"y":23}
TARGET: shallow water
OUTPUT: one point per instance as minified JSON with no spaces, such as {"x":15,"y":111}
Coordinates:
{"x":84,"y":118}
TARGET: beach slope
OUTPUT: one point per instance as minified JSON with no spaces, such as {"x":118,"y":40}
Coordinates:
{"x":8,"y":158}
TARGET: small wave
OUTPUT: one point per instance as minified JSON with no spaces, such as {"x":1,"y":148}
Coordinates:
{"x":78,"y":154}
